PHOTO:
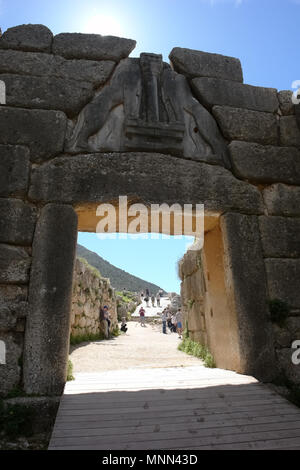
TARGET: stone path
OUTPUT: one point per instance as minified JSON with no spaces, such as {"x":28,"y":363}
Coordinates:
{"x":140,"y":347}
{"x":152,"y":311}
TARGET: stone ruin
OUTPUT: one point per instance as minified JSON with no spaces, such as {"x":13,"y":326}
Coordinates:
{"x":82,"y":124}
{"x":90,"y":292}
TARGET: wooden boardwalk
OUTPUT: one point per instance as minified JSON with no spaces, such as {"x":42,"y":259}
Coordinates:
{"x":173,"y":408}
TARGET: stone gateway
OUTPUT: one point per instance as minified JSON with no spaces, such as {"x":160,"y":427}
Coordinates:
{"x":83,"y":123}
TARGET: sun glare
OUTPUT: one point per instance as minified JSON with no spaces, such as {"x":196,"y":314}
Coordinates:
{"x":104,"y":25}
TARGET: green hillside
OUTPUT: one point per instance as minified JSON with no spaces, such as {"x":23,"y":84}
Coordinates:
{"x":119,"y":279}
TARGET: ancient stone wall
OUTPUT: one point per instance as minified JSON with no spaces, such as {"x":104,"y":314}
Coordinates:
{"x":90,"y":292}
{"x":84,"y":124}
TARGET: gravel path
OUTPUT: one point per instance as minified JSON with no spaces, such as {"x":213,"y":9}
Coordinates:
{"x":140,"y":347}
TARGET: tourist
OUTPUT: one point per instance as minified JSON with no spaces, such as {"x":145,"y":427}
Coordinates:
{"x":173,"y":322}
{"x":106,"y":317}
{"x":123,"y":325}
{"x":164,"y":322}
{"x":142,"y":316}
{"x":179,"y":321}
{"x":158,"y":299}
{"x":160,"y":292}
{"x":142,"y":296}
{"x":153,"y":300}
{"x":146,"y":298}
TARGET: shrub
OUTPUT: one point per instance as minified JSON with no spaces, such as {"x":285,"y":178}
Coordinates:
{"x":70,"y":371}
{"x":198,"y":350}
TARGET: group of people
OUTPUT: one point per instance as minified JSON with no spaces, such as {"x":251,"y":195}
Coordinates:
{"x":147,"y":297}
{"x":173,"y":321}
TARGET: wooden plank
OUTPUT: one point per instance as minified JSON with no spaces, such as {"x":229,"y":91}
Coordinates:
{"x":173,"y":409}
{"x":166,"y":421}
{"x":207,"y":415}
{"x":173,"y":431}
{"x":179,"y":442}
{"x":170,"y":408}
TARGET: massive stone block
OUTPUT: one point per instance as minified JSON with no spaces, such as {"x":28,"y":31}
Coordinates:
{"x":243,"y":124}
{"x":92,"y":46}
{"x":213,"y":91}
{"x":147,"y":107}
{"x":11,"y":313}
{"x":287,"y":107}
{"x":246,"y":286}
{"x":280,"y":237}
{"x":43,"y":131}
{"x":14,"y":265}
{"x":204,"y":64}
{"x":265,"y":163}
{"x":281,"y":199}
{"x":48,"y":324}
{"x":92,"y":178}
{"x":48,"y":65}
{"x":283,"y":280}
{"x":13,"y":293}
{"x":289,"y":131}
{"x":14,"y":170}
{"x":27,"y":37}
{"x":10,"y":373}
{"x":17,"y":222}
{"x":47,"y":93}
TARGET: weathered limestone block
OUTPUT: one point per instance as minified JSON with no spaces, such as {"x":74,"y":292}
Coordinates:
{"x":13,"y":294}
{"x":204,"y":64}
{"x":288,"y":369}
{"x":189,"y":263}
{"x":115,"y":119}
{"x":283,"y":280}
{"x":48,"y":65}
{"x":281,"y":199}
{"x":280,"y":237}
{"x":195,"y":317}
{"x":10,"y":373}
{"x":92,"y":178}
{"x":42,"y":411}
{"x":50,"y":291}
{"x":265,"y":164}
{"x":17,"y":222}
{"x":14,"y":170}
{"x":248,"y":125}
{"x":10,"y":312}
{"x":92,"y":46}
{"x":287,"y":107}
{"x":289,"y":131}
{"x":43,"y":131}
{"x":14,"y":265}
{"x":246,"y":286}
{"x":27,"y":37}
{"x":213,"y":91}
{"x":54,"y":93}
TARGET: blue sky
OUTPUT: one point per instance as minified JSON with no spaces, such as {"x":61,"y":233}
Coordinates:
{"x":263,"y":34}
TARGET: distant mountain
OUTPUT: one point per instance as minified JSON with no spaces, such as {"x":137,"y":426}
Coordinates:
{"x":119,"y":279}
